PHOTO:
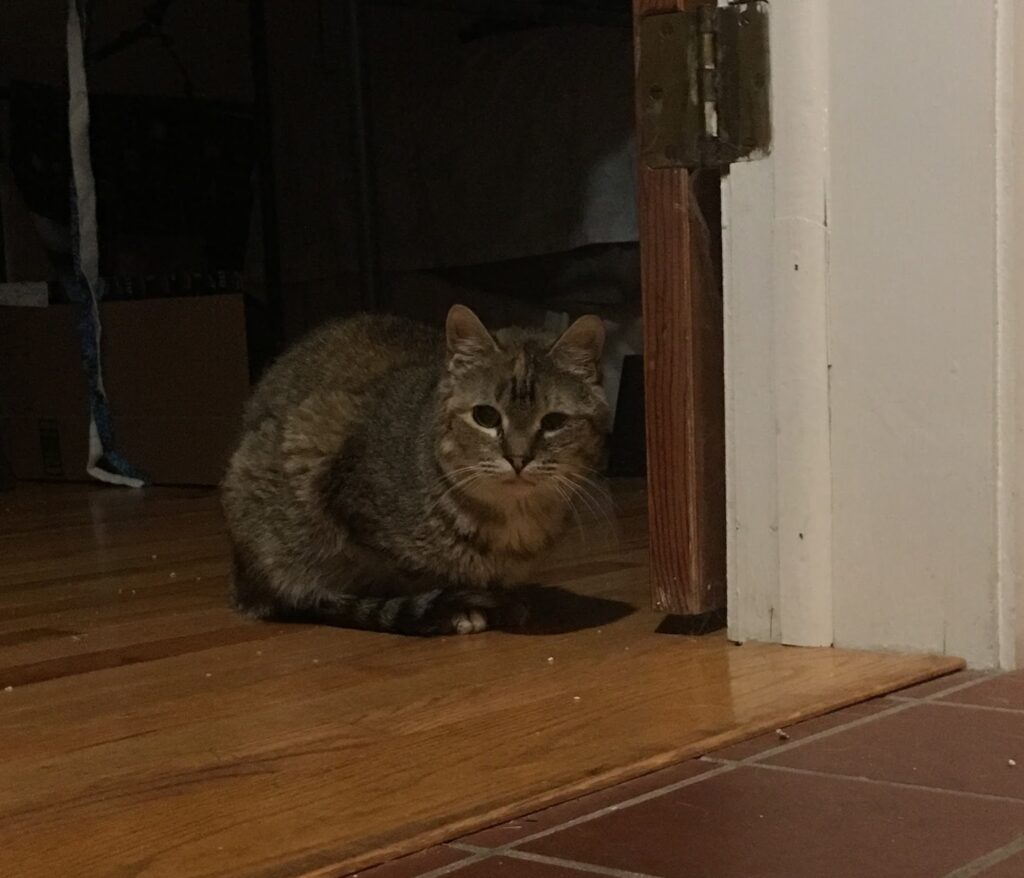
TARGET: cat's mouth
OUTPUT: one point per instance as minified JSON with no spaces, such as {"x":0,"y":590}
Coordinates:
{"x":519,"y":480}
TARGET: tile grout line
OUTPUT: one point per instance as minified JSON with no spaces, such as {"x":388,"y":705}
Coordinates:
{"x":445,"y":870}
{"x":949,"y":690}
{"x":509,"y":847}
{"x":992,"y":858}
{"x":481,"y":853}
{"x":990,"y":707}
{"x":854,"y":723}
{"x":724,"y":767}
{"x":587,"y":868}
{"x":808,"y":772}
{"x":817,"y":736}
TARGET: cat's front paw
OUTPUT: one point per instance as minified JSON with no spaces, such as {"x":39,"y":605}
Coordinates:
{"x":469,"y":622}
{"x":458,"y":611}
{"x":470,"y":612}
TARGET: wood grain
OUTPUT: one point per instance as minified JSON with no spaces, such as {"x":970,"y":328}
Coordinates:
{"x":151,"y":732}
{"x":684,"y":385}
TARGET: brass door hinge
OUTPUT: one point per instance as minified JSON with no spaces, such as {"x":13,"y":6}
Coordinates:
{"x":703,"y":81}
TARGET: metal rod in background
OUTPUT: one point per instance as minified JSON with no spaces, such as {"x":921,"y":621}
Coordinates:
{"x":265,"y":168}
{"x":369,"y":254}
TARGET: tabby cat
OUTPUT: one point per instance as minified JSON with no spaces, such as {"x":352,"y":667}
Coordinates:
{"x":394,"y":478}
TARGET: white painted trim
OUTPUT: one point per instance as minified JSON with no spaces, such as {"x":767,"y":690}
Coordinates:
{"x":752,"y":556}
{"x":1007,"y":189}
{"x":751,"y":457}
{"x":777,"y":305}
{"x":783,"y":457}
{"x":800,"y":77}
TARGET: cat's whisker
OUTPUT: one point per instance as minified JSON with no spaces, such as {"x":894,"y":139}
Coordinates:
{"x":588,"y":502}
{"x":606,"y":509}
{"x":571,"y":503}
{"x":575,"y":490}
{"x":586,"y":488}
{"x":579,"y":519}
{"x":448,"y":476}
{"x":597,"y":481}
{"x":602,"y":495}
{"x":457,"y":485}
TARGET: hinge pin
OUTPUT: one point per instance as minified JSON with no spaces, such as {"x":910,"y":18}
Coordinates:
{"x":709,"y":69}
{"x":703,"y":82}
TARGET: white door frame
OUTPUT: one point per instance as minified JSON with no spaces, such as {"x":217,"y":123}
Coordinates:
{"x":779,"y":433}
{"x":775,"y":241}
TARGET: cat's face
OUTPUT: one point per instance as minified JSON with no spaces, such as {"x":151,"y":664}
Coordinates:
{"x":524,"y":412}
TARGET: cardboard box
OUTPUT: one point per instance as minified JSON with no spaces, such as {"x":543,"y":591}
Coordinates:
{"x":24,"y":254}
{"x":176,"y":373}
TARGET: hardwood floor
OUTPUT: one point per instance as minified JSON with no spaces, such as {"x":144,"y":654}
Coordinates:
{"x":148,"y":731}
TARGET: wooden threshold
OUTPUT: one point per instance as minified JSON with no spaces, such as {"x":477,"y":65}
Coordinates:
{"x":151,"y":732}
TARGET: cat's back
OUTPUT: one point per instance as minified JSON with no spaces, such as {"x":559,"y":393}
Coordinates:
{"x":352,"y":357}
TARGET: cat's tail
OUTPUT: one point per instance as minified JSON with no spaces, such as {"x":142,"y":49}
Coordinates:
{"x":437,"y":611}
{"x":431,"y":612}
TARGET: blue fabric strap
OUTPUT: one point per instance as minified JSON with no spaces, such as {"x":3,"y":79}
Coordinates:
{"x":84,"y":286}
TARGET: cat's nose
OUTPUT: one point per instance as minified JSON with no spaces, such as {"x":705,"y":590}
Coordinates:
{"x":518,"y":462}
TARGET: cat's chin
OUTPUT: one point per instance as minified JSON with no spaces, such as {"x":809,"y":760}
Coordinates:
{"x":519,"y":486}
{"x":508,"y":488}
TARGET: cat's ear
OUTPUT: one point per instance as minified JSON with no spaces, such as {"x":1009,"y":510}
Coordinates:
{"x":468,"y":338}
{"x":578,"y":349}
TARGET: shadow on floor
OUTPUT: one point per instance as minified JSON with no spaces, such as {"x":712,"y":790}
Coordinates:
{"x":704,"y":623}
{"x":555,"y":610}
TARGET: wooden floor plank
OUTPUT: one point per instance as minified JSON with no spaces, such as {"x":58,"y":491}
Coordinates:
{"x":175,"y":739}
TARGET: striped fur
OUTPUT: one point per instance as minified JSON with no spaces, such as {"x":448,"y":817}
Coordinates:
{"x":364,"y":494}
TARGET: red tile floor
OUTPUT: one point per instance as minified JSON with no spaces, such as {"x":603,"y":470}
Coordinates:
{"x":926,"y":783}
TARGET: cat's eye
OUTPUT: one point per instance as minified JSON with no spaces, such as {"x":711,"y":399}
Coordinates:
{"x":553,"y":421}
{"x":487,"y":416}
